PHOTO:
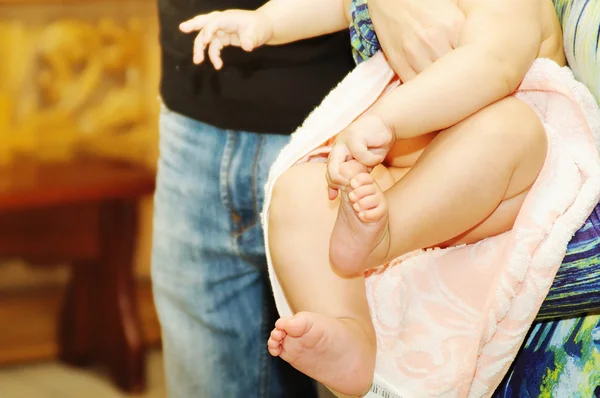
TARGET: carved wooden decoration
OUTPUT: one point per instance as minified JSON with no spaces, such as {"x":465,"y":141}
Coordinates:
{"x":72,"y":86}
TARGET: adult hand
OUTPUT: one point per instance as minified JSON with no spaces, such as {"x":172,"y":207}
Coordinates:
{"x":415,"y":33}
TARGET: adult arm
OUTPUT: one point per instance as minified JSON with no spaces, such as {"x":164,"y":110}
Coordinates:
{"x":415,"y":33}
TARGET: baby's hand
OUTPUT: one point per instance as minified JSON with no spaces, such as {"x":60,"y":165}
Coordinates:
{"x":239,"y":28}
{"x":368,"y":140}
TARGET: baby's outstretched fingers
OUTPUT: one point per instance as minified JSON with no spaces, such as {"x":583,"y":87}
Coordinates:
{"x":195,"y":24}
{"x":219,"y":29}
{"x":199,"y":48}
{"x":214,"y":50}
{"x":214,"y":25}
{"x":230,"y":22}
{"x":246,"y":43}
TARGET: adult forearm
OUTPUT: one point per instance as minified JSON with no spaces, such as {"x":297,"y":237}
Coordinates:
{"x":415,"y":33}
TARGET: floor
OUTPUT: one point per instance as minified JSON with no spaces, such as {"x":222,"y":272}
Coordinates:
{"x":55,"y":380}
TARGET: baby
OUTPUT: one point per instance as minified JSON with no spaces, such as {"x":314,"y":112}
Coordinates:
{"x":443,"y":159}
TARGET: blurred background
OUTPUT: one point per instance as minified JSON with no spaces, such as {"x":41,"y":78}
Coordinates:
{"x":78,"y":146}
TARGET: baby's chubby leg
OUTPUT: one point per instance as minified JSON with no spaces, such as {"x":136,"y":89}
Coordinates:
{"x":470,"y":182}
{"x":327,"y":347}
{"x":331,"y":337}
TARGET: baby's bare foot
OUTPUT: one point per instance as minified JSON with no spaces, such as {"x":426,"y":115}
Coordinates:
{"x":336,"y":352}
{"x":360,"y":237}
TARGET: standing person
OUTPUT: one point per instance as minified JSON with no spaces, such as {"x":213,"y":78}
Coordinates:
{"x":220,"y":132}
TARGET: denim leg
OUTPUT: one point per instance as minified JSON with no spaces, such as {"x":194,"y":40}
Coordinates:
{"x":209,"y":274}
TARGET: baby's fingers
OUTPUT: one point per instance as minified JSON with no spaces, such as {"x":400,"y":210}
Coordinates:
{"x":211,"y":28}
{"x":245,"y":42}
{"x":199,"y":48}
{"x":228,"y":22}
{"x":336,"y":181}
{"x":214,"y":50}
{"x":333,"y":189}
{"x":195,"y":24}
{"x":366,"y":156}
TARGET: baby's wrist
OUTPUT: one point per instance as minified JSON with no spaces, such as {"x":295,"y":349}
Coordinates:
{"x":386,"y":122}
{"x":266,"y":24}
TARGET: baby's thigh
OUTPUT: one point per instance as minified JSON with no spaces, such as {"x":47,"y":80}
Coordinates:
{"x":300,"y":194}
{"x":518,"y":137}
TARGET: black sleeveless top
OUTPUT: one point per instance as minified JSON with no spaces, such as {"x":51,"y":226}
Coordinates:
{"x":270,"y":90}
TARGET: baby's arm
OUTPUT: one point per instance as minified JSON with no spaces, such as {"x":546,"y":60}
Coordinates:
{"x":499,"y":42}
{"x":276,"y":22}
{"x":294,"y":20}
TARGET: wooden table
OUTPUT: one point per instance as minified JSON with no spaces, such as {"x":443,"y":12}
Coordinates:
{"x":84,"y":213}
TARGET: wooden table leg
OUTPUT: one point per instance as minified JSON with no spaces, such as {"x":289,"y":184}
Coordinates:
{"x":119,"y":331}
{"x":76,"y":320}
{"x":100,"y":318}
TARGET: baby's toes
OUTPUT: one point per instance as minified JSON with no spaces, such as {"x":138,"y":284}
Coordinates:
{"x":362,"y":192}
{"x":375,"y":212}
{"x":277,"y":335}
{"x":274,"y":348}
{"x":361,"y":179}
{"x":281,"y":322}
{"x":299,"y":324}
{"x":275,"y":341}
{"x":367,"y":203}
{"x":352,"y":168}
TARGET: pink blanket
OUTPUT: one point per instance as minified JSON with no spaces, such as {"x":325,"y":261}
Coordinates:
{"x":449,"y":322}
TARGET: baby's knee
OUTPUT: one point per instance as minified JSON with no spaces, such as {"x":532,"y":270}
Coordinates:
{"x":520,"y":136}
{"x":513,"y":125}
{"x":527,"y":132}
{"x":534,"y":134}
{"x":522,"y":119}
{"x":531,"y":141}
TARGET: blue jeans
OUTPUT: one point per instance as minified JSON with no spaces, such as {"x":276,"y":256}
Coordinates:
{"x":209,"y":272}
